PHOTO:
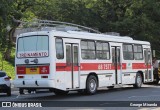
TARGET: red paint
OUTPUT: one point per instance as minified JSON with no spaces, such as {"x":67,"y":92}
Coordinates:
{"x":21,"y":70}
{"x":88,"y":66}
{"x":44,"y":69}
{"x":65,"y":67}
{"x":140,"y":66}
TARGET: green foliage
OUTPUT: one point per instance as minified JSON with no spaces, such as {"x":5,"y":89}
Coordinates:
{"x":6,"y":66}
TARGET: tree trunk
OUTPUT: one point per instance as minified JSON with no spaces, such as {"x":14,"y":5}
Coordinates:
{"x":7,"y":54}
{"x":10,"y":43}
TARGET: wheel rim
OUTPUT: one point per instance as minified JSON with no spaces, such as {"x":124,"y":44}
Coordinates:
{"x":92,"y":85}
{"x":139,"y":81}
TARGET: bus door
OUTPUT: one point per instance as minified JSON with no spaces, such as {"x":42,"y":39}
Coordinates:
{"x":117,"y":64}
{"x":148,"y":72}
{"x":72,"y":66}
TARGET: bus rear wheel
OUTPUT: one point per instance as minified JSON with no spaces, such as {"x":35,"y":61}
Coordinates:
{"x":91,"y":86}
{"x":60,"y":92}
{"x":138,"y":82}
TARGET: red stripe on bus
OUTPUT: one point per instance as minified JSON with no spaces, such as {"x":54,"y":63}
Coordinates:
{"x":88,"y":66}
{"x":60,"y":64}
{"x":140,"y":66}
{"x":64,"y":67}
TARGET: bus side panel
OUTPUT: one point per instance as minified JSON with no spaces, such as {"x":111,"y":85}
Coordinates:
{"x":106,"y":79}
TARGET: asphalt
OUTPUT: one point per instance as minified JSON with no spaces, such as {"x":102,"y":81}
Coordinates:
{"x":117,"y":95}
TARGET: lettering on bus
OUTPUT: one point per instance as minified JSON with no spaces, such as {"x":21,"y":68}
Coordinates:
{"x":105,"y":66}
{"x":34,"y":54}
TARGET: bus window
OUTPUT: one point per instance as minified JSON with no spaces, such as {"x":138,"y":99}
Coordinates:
{"x":33,"y":46}
{"x":88,"y":49}
{"x":128,"y":52}
{"x":59,"y":48}
{"x":75,"y":49}
{"x":138,"y":53}
{"x":118,"y":56}
{"x":102,"y":50}
{"x":113,"y":56}
{"x":147,"y":56}
{"x":68,"y":53}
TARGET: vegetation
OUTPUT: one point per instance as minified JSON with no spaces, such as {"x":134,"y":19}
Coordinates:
{"x":136,"y":18}
{"x":8,"y":66}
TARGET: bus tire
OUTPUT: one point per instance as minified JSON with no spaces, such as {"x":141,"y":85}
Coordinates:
{"x":138,"y":82}
{"x":60,"y":92}
{"x":91,"y":85}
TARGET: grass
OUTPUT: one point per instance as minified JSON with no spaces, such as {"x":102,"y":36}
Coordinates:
{"x":8,"y":66}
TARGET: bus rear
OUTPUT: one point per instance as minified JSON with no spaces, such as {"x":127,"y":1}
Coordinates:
{"x":32,"y":61}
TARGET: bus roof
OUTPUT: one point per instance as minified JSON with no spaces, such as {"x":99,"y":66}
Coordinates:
{"x":86,"y":35}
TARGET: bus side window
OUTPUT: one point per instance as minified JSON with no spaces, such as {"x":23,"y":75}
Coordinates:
{"x":113,"y":56}
{"x":147,"y":55}
{"x":75,"y":49}
{"x":138,"y":52}
{"x":102,"y":50}
{"x":68,"y":55}
{"x":128,"y":52}
{"x":88,"y":49}
{"x":59,"y":48}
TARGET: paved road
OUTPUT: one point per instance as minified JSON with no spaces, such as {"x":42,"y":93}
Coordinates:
{"x":126,"y":93}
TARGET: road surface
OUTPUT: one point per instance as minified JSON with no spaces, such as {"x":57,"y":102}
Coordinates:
{"x":117,"y":96}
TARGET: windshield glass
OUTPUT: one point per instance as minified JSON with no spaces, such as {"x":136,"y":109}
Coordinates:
{"x":32,"y":46}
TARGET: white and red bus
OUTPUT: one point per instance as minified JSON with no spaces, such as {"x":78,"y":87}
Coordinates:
{"x":63,"y":60}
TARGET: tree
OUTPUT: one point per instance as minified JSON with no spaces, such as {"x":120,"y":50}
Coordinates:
{"x":12,"y":12}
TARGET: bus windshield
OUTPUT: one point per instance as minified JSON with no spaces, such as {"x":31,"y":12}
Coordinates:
{"x":33,"y":46}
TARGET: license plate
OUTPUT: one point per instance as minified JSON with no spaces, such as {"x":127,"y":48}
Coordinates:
{"x":32,"y":70}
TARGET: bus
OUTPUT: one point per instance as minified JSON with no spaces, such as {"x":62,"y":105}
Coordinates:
{"x":68,"y":57}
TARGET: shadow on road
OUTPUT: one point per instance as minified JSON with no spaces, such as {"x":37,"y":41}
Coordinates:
{"x":152,"y":83}
{"x":48,"y":96}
